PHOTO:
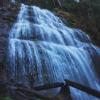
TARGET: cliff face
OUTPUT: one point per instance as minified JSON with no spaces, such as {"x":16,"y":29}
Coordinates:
{"x":8,"y":13}
{"x":7,"y":18}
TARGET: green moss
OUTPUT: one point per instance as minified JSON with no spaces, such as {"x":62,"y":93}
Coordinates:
{"x":6,"y":98}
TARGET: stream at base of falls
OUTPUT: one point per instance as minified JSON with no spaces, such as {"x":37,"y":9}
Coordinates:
{"x":41,"y":44}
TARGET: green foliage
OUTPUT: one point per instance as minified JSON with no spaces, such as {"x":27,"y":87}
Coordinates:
{"x":71,"y":6}
{"x":5,"y":98}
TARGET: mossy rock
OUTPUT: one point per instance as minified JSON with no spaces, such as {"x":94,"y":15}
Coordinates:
{"x":5,"y":98}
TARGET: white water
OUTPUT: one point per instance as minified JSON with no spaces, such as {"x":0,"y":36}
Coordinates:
{"x":39,"y":42}
{"x":77,"y":1}
{"x":13,"y":1}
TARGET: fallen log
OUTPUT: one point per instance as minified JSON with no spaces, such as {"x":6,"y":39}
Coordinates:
{"x":88,"y":90}
{"x":64,"y":93}
{"x":49,"y":86}
{"x":33,"y":93}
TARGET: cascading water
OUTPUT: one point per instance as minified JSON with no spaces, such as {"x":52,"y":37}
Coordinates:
{"x":13,"y":1}
{"x":40,"y":43}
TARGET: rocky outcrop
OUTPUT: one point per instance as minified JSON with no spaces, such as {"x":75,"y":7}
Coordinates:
{"x":8,"y":15}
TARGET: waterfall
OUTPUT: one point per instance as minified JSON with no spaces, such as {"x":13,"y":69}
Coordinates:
{"x":77,"y":1}
{"x":40,"y":43}
{"x":13,"y":1}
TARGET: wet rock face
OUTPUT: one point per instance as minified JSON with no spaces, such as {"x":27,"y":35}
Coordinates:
{"x":48,"y":4}
{"x":31,"y":2}
{"x":8,"y":14}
